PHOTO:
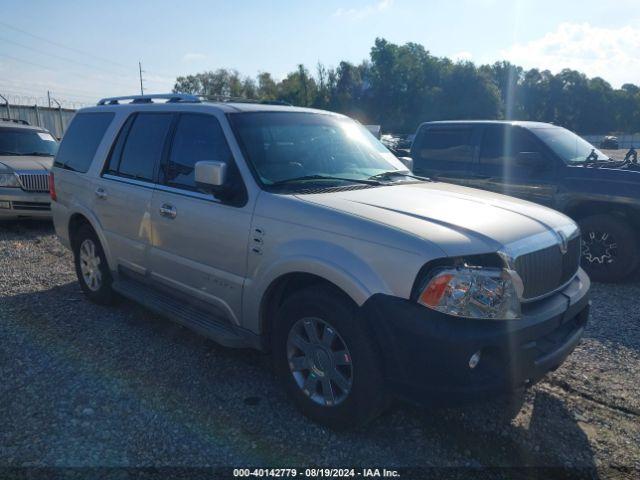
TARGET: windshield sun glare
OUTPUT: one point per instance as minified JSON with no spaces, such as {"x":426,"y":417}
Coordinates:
{"x":296,"y":148}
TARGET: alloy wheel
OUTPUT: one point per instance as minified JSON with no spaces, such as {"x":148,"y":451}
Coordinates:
{"x":319,"y":361}
{"x":90,"y":265}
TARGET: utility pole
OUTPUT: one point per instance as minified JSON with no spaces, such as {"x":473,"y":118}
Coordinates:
{"x":140,"y":70}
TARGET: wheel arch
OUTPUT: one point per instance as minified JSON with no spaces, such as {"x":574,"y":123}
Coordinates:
{"x":79,"y":218}
{"x":282,"y":288}
{"x":581,"y":210}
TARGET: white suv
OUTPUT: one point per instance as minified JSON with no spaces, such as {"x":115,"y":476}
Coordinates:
{"x":295,"y":231}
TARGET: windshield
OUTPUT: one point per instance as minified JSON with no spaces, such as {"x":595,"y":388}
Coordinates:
{"x":567,"y":145}
{"x":27,"y":142}
{"x":297,"y":148}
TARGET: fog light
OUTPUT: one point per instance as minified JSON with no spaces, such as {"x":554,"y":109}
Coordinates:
{"x":4,"y":204}
{"x":474,"y":360}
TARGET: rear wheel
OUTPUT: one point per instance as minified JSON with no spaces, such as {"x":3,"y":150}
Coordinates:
{"x":91,"y":266}
{"x":610,"y":250}
{"x":326,"y":360}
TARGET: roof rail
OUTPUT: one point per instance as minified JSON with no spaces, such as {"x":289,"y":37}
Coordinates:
{"x":229,"y":99}
{"x":169,"y":97}
{"x":14,"y":120}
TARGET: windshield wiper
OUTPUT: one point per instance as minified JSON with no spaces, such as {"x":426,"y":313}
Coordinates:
{"x":593,"y":159}
{"x":392,"y":173}
{"x":324,"y":177}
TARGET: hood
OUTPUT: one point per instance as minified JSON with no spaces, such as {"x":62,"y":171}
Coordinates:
{"x":460,"y":220}
{"x":623,"y":175}
{"x":25,"y":163}
{"x":608,"y":184}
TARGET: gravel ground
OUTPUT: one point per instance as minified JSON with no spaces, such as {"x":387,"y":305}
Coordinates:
{"x":84,"y":385}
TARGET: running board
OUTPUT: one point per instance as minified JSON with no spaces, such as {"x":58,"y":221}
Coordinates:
{"x":184,"y":313}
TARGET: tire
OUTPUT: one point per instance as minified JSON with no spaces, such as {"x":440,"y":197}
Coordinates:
{"x":97,"y":287}
{"x":610,"y":250}
{"x":322,"y":308}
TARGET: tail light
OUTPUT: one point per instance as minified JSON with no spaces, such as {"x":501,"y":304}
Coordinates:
{"x":52,"y":188}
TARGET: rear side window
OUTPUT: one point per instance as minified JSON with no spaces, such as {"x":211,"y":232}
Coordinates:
{"x":81,"y":140}
{"x":139,"y":146}
{"x":197,"y":138}
{"x":445,"y":145}
{"x":501,"y":145}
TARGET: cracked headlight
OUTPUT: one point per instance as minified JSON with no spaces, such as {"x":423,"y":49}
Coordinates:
{"x":473,"y":292}
{"x":8,"y":180}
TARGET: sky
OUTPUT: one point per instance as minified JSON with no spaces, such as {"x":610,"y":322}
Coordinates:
{"x":84,"y":50}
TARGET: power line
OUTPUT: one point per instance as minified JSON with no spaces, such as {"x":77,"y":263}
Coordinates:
{"x":9,"y":83}
{"x":63,"y":46}
{"x":120,"y":81}
{"x":76,"y":50}
{"x":39,"y":65}
{"x":123,"y":78}
{"x":49,"y":54}
{"x":33,"y":91}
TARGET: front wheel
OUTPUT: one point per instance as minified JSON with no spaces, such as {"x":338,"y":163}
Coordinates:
{"x":326,"y":360}
{"x":610,"y":250}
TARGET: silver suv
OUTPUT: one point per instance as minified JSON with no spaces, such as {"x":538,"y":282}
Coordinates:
{"x":295,"y":231}
{"x":26,"y":155}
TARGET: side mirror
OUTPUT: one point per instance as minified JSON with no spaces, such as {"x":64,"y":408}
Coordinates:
{"x":211,"y":176}
{"x":532,"y":160}
{"x":407,"y":162}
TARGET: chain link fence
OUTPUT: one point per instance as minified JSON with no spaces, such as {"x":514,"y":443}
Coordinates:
{"x":53,"y":119}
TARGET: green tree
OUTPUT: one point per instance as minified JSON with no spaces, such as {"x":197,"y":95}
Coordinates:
{"x":298,"y":88}
{"x":400,"y":86}
{"x":267,"y":88}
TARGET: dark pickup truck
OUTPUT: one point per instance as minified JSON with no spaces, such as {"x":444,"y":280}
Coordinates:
{"x":549,"y":165}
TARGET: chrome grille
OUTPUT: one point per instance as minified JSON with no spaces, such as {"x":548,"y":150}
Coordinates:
{"x":548,"y":269}
{"x":34,"y":182}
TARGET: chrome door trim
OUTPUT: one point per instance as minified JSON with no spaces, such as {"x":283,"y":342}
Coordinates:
{"x":130,"y":181}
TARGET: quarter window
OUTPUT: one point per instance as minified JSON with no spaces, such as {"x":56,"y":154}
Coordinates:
{"x":82,"y":139}
{"x":197,"y":138}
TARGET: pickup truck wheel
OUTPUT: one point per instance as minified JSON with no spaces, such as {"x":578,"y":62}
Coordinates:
{"x":91,"y":267}
{"x":609,"y":248}
{"x":326,"y":360}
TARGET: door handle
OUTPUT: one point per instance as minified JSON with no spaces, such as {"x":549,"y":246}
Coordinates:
{"x":101,"y":193}
{"x":168,"y":211}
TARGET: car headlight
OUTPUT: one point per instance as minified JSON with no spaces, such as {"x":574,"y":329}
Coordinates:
{"x":8,"y":180}
{"x":473,"y":292}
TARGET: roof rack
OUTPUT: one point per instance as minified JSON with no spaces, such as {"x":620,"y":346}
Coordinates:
{"x":229,"y":99}
{"x":14,"y":120}
{"x":186,"y":98}
{"x":169,"y":97}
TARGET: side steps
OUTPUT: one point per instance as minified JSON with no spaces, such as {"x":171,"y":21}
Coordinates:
{"x":184,"y":313}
